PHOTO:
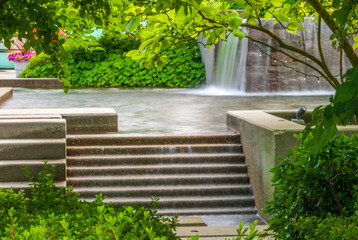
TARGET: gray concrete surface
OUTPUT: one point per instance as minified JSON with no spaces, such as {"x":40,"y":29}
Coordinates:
{"x":44,"y":83}
{"x":77,"y":119}
{"x":32,"y":128}
{"x":12,"y":170}
{"x":213,"y":233}
{"x":30,"y":149}
{"x":5,"y":95}
{"x":7,"y":74}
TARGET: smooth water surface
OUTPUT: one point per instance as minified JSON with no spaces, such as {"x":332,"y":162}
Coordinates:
{"x":163,"y":111}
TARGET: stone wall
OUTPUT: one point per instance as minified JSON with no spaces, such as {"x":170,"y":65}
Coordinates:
{"x":263,"y":73}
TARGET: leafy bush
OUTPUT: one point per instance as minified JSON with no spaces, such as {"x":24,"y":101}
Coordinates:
{"x":57,"y":213}
{"x":309,"y":184}
{"x":330,"y":228}
{"x":111,"y":68}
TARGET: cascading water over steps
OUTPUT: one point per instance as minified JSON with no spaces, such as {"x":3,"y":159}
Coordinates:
{"x":192,"y":175}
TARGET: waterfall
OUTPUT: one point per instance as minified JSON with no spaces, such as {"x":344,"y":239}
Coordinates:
{"x":239,"y":65}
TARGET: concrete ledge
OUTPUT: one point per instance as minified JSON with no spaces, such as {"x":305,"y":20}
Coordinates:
{"x":5,"y":95}
{"x":266,"y":136}
{"x":32,"y":128}
{"x":41,"y":149}
{"x":77,"y":119}
{"x":221,"y":232}
{"x":17,"y":186}
{"x":12,"y":170}
{"x":2,"y":117}
{"x":46,"y":83}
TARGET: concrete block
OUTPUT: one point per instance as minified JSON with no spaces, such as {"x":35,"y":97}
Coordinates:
{"x":39,"y":116}
{"x":5,"y":95}
{"x":25,"y":186}
{"x":42,"y":149}
{"x":32,"y":128}
{"x":32,"y":83}
{"x":91,"y":122}
{"x":12,"y":170}
{"x":97,"y":120}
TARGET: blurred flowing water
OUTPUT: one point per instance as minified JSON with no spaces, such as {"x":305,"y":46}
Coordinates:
{"x":166,"y":111}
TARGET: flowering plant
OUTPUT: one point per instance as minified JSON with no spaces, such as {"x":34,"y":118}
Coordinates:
{"x":18,"y":57}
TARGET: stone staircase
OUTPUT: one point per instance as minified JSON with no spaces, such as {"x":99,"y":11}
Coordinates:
{"x":192,"y":175}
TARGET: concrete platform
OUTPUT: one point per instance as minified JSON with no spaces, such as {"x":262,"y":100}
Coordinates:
{"x":32,"y":128}
{"x":5,"y":95}
{"x":44,"y":83}
{"x":99,"y":120}
{"x":213,"y":233}
{"x":17,"y":186}
{"x":191,"y":222}
{"x":29,"y":149}
{"x":12,"y":170}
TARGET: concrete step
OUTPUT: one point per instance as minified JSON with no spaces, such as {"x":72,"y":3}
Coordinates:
{"x":32,"y":128}
{"x":125,"y":170}
{"x":223,"y":210}
{"x":12,"y":170}
{"x":166,"y":191}
{"x":185,"y":202}
{"x":17,"y":186}
{"x":158,"y":180}
{"x":154,"y":149}
{"x":115,"y":139}
{"x":18,"y":149}
{"x":183,"y":158}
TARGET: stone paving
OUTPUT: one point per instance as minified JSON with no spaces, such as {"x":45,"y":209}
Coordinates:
{"x":191,"y":226}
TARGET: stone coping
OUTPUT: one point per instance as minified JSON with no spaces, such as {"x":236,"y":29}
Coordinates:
{"x":5,"y":94}
{"x":277,"y":120}
{"x":57,"y":111}
{"x":214,"y":232}
{"x":86,"y":120}
{"x":45,"y":83}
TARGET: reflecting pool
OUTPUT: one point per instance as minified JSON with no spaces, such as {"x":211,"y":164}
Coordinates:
{"x":165,"y":111}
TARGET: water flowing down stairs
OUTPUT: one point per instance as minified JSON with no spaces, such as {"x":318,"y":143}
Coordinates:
{"x":192,"y":175}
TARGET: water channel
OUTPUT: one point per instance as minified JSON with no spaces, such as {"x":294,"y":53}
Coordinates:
{"x":165,"y":111}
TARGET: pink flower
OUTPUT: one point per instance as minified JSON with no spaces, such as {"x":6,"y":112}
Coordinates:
{"x":18,"y":57}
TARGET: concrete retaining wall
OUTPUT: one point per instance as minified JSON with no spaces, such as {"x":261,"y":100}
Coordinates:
{"x":46,"y":83}
{"x":265,"y":136}
{"x":5,"y":95}
{"x":99,"y":120}
{"x":30,"y":142}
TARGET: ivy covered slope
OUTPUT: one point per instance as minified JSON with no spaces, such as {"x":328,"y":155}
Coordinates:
{"x":111,"y":68}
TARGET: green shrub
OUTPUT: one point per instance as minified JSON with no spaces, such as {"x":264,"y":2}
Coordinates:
{"x":320,"y":185}
{"x":111,"y":68}
{"x":57,"y":213}
{"x":330,"y":228}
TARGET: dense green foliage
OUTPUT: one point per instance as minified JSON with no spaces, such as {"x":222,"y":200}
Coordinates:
{"x":309,"y":184}
{"x":111,"y":68}
{"x":57,"y":213}
{"x":330,"y":228}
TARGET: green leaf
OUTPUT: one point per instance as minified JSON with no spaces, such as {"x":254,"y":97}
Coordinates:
{"x":281,"y":16}
{"x":133,"y":24}
{"x":345,"y":92}
{"x":252,"y":21}
{"x":234,"y":21}
{"x":239,"y":34}
{"x":276,"y":3}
